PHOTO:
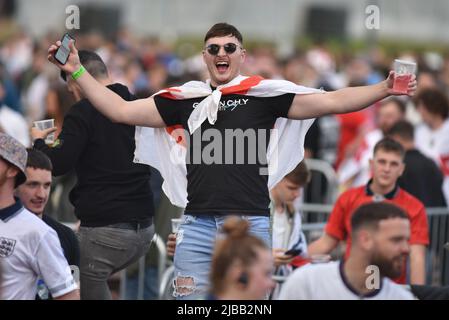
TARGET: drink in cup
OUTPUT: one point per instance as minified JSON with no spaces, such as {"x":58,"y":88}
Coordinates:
{"x":46,"y":124}
{"x":403,"y":71}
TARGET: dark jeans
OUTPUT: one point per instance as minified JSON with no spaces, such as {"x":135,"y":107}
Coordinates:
{"x":150,"y":285}
{"x":106,"y":250}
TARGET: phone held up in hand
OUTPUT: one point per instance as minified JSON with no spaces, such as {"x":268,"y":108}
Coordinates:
{"x":62,"y":54}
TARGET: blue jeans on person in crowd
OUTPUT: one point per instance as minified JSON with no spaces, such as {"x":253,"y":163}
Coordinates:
{"x":194,"y":247}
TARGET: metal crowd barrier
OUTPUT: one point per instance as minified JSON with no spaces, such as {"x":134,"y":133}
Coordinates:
{"x":162,"y":268}
{"x":320,"y":170}
{"x":166,"y":284}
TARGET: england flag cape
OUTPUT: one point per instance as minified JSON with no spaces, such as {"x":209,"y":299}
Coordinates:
{"x":163,"y":148}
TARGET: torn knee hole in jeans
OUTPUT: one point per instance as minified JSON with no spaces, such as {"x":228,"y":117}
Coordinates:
{"x":183,"y":286}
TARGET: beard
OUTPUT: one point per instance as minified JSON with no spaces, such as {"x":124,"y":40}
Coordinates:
{"x":388,"y":267}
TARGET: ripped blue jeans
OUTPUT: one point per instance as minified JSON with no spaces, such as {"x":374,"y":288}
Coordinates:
{"x":194,"y":247}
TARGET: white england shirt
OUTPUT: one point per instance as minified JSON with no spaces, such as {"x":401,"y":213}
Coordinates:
{"x":29,"y":250}
{"x":327,"y":282}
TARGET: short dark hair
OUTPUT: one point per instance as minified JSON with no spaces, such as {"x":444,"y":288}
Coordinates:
{"x":300,"y":175}
{"x":434,"y":101}
{"x":370,"y":214}
{"x":400,"y":104}
{"x":38,"y":160}
{"x":93,"y":64}
{"x":389,"y":145}
{"x":403,"y":129}
{"x":223,"y":29}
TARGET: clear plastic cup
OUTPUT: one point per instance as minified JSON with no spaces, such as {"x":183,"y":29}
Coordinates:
{"x":46,"y":124}
{"x":403,"y":71}
{"x":175,"y":223}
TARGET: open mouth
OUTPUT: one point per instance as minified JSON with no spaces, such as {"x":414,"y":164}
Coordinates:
{"x":37,"y":202}
{"x":222,"y":66}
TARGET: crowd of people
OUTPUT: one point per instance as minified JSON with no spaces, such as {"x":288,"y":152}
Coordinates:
{"x":113,"y":118}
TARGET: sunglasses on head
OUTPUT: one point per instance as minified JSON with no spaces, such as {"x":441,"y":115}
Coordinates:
{"x":229,"y":48}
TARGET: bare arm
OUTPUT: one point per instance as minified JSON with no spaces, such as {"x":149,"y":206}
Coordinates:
{"x":141,"y":112}
{"x":323,"y":245}
{"x":417,"y":264}
{"x":345,"y":100}
{"x":72,"y":295}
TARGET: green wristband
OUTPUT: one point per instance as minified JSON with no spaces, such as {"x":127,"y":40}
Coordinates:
{"x":78,"y":73}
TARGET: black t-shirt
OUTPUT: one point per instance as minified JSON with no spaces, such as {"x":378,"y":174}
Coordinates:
{"x":225,"y":160}
{"x":423,"y":179}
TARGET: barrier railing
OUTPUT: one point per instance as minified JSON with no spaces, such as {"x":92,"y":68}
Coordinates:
{"x":321,"y":191}
{"x":162,"y":267}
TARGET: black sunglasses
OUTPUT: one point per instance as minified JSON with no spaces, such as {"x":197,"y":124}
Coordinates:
{"x":229,"y":48}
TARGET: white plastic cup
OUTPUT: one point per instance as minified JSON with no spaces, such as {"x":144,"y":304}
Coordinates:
{"x":46,"y":124}
{"x":403,"y":71}
{"x":175,"y":223}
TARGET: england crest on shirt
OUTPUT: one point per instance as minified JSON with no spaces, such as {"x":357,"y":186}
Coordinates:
{"x":6,"y":247}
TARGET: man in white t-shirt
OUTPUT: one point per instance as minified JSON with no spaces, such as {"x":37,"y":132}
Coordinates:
{"x":29,"y":248}
{"x":432,"y":136}
{"x":380,"y":233}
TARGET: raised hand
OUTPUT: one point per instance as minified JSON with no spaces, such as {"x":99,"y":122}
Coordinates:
{"x":73,"y":62}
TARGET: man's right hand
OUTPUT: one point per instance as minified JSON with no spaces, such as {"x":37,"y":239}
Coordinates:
{"x":171,"y":244}
{"x":73,"y":62}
